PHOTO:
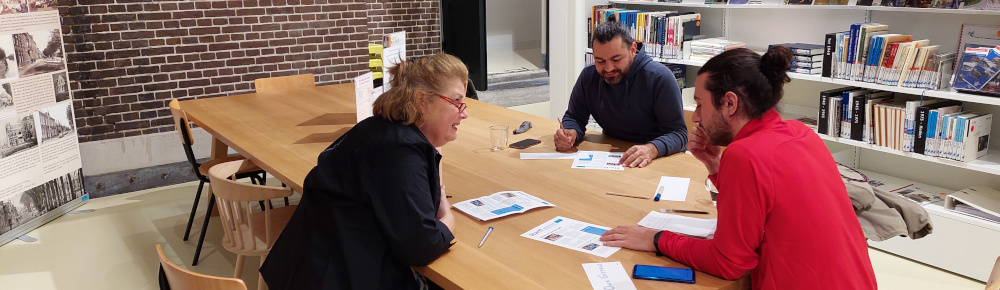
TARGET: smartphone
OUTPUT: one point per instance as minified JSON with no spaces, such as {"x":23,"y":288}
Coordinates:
{"x":663,"y":274}
{"x":525,"y":143}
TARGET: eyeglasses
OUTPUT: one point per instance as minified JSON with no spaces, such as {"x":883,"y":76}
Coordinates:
{"x":461,"y":106}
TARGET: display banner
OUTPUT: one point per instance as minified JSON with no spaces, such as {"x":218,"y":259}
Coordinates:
{"x":41,"y":175}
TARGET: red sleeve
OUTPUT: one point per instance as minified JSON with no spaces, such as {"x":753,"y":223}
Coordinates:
{"x":743,"y":203}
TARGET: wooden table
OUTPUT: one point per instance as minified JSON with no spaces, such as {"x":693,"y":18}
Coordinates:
{"x":284,"y":133}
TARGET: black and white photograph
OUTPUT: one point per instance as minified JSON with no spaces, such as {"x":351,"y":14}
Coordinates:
{"x":61,"y":86}
{"x":38,"y":52}
{"x":55,"y":122}
{"x":6,"y":101}
{"x":32,"y":203}
{"x":17,"y":133}
{"x":43,"y":5}
{"x":8,"y":66}
{"x":13,"y":6}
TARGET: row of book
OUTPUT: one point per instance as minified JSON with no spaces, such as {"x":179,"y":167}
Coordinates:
{"x":868,"y":52}
{"x":938,"y":4}
{"x":662,"y":32}
{"x":806,"y":58}
{"x":931,"y":127}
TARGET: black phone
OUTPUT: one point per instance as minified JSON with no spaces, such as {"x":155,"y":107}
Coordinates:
{"x":663,"y":274}
{"x":525,"y":143}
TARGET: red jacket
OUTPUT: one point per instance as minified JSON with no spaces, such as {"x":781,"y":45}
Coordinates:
{"x":784,"y":215}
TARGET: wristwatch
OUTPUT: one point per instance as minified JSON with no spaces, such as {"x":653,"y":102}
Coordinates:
{"x":656,"y":239}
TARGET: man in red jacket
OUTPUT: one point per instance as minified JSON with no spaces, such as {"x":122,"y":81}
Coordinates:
{"x":784,"y":213}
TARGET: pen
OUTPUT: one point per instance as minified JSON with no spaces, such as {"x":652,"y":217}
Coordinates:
{"x":682,"y":211}
{"x":485,"y":236}
{"x":560,"y":124}
{"x":658,"y":191}
{"x":626,"y":195}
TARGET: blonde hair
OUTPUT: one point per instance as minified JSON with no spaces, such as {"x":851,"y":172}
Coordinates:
{"x":430,"y":74}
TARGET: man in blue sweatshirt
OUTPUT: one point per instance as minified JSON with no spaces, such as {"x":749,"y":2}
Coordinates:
{"x":632,"y":98}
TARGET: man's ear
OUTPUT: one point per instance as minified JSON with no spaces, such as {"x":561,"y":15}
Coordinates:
{"x":730,"y":104}
{"x":634,"y":48}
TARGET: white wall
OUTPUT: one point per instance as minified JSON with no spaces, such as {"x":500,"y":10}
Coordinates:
{"x":513,"y":25}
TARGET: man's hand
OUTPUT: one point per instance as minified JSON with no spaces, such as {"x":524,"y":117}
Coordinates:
{"x":565,"y":139}
{"x":703,"y":151}
{"x":444,"y":212}
{"x":631,"y":237}
{"x":639,"y":156}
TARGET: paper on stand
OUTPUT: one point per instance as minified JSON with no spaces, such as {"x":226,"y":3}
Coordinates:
{"x":680,"y":224}
{"x":363,"y":92}
{"x":609,"y":275}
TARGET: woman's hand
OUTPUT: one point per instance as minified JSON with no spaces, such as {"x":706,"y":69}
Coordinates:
{"x":444,"y":212}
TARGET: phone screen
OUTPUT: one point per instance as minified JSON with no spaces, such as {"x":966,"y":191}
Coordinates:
{"x":663,"y":274}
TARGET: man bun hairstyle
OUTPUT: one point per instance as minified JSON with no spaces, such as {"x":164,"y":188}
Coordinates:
{"x":608,"y":30}
{"x":756,"y":80}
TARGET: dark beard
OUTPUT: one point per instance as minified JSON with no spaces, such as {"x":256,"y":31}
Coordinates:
{"x":719,"y":134}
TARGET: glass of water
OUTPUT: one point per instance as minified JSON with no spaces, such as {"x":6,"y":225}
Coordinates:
{"x":498,"y":136}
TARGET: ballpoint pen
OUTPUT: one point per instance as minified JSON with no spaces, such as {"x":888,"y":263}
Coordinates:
{"x":485,"y":236}
{"x":682,"y":211}
{"x":658,"y":192}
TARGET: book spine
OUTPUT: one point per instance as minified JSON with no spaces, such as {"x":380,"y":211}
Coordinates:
{"x":823,"y":118}
{"x":858,"y":117}
{"x":920,"y":134}
{"x":828,"y":50}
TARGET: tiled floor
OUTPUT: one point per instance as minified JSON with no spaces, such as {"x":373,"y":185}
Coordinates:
{"x":513,"y":61}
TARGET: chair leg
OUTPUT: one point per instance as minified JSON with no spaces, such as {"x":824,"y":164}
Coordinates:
{"x":239,"y":266}
{"x":263,"y":178}
{"x":286,"y":198}
{"x":204,"y":227}
{"x":194,"y":208}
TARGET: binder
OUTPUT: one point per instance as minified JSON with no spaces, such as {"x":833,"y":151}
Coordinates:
{"x":984,"y":199}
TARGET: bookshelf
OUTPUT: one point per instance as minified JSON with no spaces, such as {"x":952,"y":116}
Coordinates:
{"x":959,"y":242}
{"x":810,"y":7}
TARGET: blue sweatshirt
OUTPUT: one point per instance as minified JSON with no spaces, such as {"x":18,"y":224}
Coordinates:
{"x":645,"y":107}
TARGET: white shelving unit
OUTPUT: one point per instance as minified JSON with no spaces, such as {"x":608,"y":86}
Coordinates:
{"x":957,"y":244}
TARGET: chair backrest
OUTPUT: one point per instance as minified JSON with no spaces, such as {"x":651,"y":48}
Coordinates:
{"x":286,"y":82}
{"x":993,"y":283}
{"x":235,"y":200}
{"x":181,"y":122}
{"x":180,"y":278}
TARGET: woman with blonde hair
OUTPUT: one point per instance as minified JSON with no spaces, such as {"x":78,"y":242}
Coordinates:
{"x":373,"y":206}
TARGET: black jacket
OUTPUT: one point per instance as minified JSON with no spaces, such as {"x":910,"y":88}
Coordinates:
{"x":367,"y":214}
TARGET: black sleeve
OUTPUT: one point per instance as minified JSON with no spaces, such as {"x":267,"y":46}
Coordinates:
{"x":399,"y":183}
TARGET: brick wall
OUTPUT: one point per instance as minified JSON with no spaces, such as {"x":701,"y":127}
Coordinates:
{"x":128,"y":58}
{"x":419,"y":18}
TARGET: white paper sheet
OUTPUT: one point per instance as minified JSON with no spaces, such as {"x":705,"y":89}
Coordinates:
{"x":548,"y":155}
{"x":610,"y":275}
{"x":500,"y":204}
{"x":363,"y":92}
{"x":598,"y":160}
{"x":674,"y":188}
{"x":572,"y":234}
{"x":390,"y":57}
{"x":680,"y":224}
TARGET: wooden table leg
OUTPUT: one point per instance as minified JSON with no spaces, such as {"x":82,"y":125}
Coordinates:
{"x":219,"y":150}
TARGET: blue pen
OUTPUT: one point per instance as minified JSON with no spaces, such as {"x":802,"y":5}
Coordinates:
{"x":658,"y":191}
{"x":485,"y":236}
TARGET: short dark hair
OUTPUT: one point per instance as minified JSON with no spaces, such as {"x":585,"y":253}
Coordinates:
{"x":607,"y":31}
{"x":757,"y":80}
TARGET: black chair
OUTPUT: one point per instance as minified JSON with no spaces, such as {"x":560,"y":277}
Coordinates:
{"x":470,"y":91}
{"x":201,"y":171}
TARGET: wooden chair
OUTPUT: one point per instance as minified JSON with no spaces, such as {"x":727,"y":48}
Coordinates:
{"x":993,"y":283}
{"x":201,"y":171}
{"x":179,"y":278}
{"x":286,"y":82}
{"x":247,"y":233}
